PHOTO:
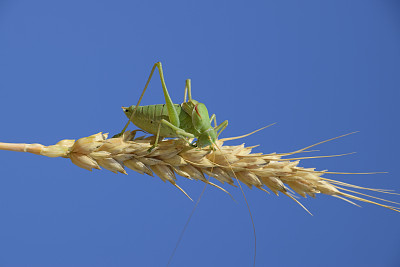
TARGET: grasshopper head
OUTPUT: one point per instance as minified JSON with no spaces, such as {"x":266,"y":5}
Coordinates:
{"x":201,"y":122}
{"x":207,"y":138}
{"x":200,"y":118}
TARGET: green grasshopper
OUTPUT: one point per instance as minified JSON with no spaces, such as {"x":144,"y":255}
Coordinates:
{"x":187,"y":121}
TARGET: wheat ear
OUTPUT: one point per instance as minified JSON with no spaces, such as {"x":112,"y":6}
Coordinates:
{"x":177,"y":156}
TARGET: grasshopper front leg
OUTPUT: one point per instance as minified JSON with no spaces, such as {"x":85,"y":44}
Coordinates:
{"x":220,"y":127}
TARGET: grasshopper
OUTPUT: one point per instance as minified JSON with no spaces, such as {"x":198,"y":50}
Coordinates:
{"x":187,"y":120}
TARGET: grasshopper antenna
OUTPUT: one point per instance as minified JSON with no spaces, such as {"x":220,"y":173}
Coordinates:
{"x":186,"y":225}
{"x":189,"y":218}
{"x":245,"y":135}
{"x":245,"y":199}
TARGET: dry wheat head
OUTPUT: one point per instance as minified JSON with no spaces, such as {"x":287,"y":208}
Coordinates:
{"x":225,"y":164}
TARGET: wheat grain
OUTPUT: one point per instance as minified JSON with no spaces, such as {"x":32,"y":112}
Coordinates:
{"x":172,"y":156}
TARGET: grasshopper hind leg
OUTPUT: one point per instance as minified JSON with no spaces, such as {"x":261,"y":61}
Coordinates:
{"x":188,"y":90}
{"x":179,"y":133}
{"x":172,"y":112}
{"x":158,"y":138}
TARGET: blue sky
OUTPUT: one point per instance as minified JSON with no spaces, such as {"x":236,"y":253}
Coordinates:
{"x":318,"y":68}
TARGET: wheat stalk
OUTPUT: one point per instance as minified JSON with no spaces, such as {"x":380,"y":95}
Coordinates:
{"x":227,"y":163}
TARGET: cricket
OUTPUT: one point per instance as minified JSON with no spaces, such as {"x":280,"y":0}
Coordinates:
{"x":185,"y":141}
{"x":187,"y":120}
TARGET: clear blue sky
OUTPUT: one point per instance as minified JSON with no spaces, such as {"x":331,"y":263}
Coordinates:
{"x":318,"y":68}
